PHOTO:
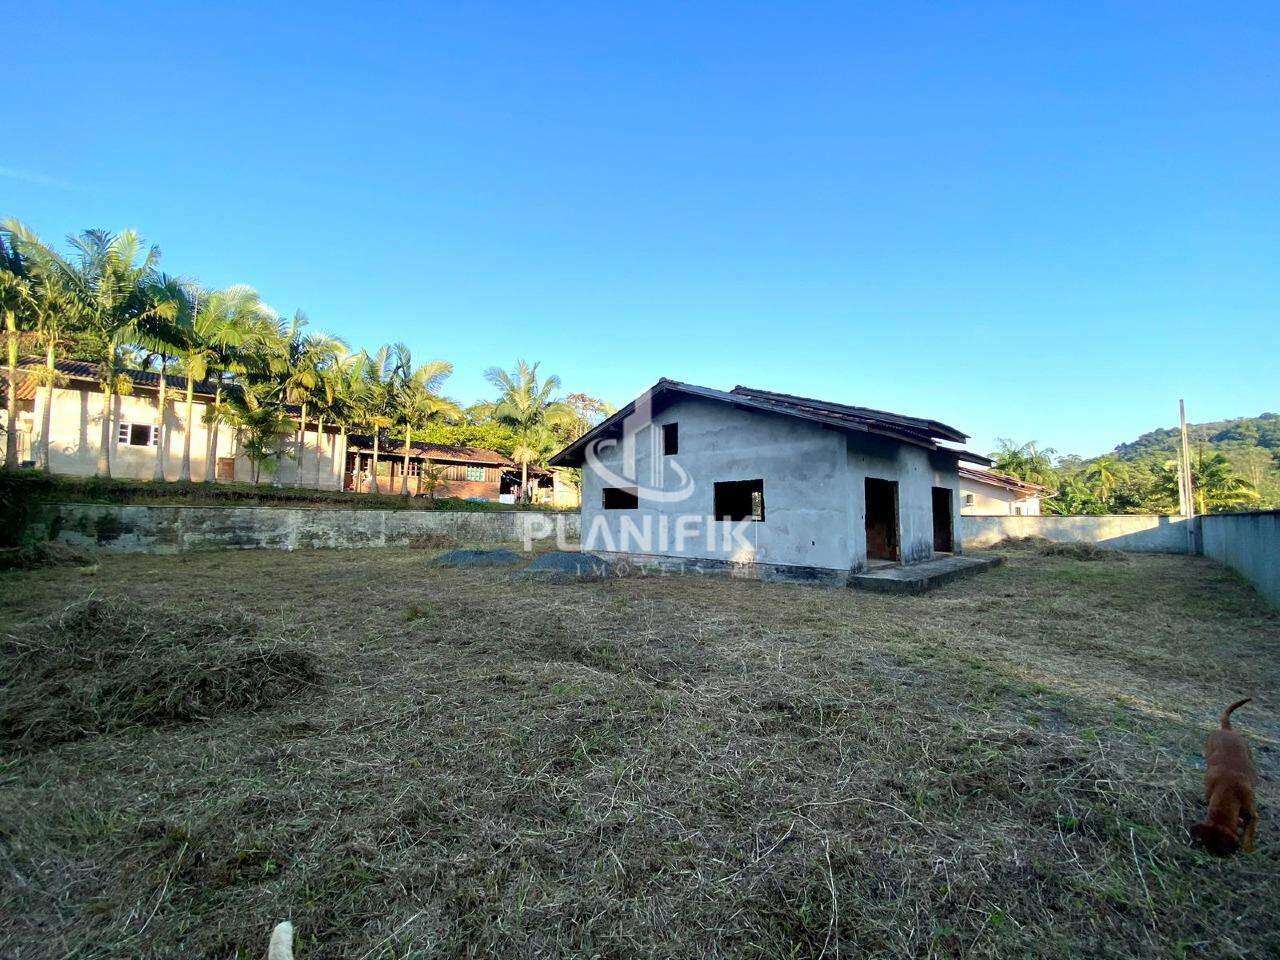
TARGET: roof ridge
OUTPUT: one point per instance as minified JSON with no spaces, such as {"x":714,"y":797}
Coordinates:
{"x":764,"y":394}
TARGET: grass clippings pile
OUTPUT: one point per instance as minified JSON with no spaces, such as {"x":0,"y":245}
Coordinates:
{"x":1087,"y":552}
{"x":32,"y":556}
{"x":1023,"y":543}
{"x":666,"y":768}
{"x":108,"y":664}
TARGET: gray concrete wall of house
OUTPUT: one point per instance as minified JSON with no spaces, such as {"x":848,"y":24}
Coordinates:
{"x":1249,"y":543}
{"x":160,"y":530}
{"x":813,"y":490}
{"x":917,"y":472}
{"x":1137,"y":533}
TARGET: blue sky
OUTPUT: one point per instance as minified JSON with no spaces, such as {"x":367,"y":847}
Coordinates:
{"x":1031,"y":222}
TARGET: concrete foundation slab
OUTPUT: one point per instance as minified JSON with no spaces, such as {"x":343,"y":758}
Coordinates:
{"x":919,"y":577}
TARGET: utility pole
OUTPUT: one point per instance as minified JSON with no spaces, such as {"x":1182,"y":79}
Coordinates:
{"x":1185,"y":479}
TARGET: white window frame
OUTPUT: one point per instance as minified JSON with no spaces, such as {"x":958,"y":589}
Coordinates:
{"x":124,"y":434}
{"x":467,"y":474}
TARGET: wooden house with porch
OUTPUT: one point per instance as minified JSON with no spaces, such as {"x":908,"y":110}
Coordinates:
{"x":470,"y":473}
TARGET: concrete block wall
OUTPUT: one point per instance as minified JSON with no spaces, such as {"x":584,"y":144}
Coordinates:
{"x":164,"y":530}
{"x":1249,"y":543}
{"x":1137,"y":533}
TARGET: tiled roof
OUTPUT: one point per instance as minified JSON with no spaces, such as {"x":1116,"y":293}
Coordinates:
{"x":433,"y":451}
{"x":913,"y":430}
{"x":1001,"y":480}
{"x":26,"y":387}
{"x":86,"y":371}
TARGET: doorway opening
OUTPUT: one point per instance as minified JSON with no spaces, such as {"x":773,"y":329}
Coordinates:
{"x":943,"y":535}
{"x":882,"y":519}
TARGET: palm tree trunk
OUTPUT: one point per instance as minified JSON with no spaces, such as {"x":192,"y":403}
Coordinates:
{"x":355,"y":467}
{"x":319,"y":436}
{"x":11,"y":431}
{"x":104,"y":449}
{"x":46,"y":415}
{"x":211,"y":456}
{"x":163,"y":443}
{"x":524,"y":480}
{"x":404,"y":476}
{"x":186,"y":431}
{"x":302,"y":444}
{"x":373,"y":477}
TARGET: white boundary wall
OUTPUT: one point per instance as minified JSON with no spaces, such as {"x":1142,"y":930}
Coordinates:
{"x":1137,"y":533}
{"x":1249,"y":543}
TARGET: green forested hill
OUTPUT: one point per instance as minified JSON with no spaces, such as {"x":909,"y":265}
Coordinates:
{"x":1251,"y":444}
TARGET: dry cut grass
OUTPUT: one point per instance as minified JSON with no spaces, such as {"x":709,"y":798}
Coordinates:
{"x":658,"y":768}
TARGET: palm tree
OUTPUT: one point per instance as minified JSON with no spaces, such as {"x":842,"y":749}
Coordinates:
{"x":1216,"y":485}
{"x":1105,"y":475}
{"x":377,"y":407}
{"x":51,"y":311}
{"x":17,"y":303}
{"x":419,"y":404}
{"x":345,"y":398}
{"x":1025,"y":461}
{"x":221,"y":320}
{"x":163,"y":340}
{"x":528,"y":407}
{"x":304,"y":361}
{"x":323,"y":398}
{"x":256,"y":412}
{"x":245,"y":355}
{"x":110,"y":284}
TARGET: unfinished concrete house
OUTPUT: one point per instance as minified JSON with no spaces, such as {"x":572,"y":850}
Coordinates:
{"x":784,"y":484}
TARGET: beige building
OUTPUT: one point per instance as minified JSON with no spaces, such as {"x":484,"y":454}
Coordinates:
{"x":329,"y":461}
{"x":984,"y":493}
{"x":75,"y":432}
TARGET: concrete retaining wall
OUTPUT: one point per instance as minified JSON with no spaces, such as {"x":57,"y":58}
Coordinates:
{"x":1140,"y":534}
{"x":1249,"y":543}
{"x":147,"y":529}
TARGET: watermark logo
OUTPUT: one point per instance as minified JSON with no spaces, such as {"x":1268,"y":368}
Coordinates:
{"x":638,"y":427}
{"x":688,"y":535}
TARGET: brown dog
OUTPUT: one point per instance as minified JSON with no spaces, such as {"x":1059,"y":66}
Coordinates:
{"x":1228,"y":786}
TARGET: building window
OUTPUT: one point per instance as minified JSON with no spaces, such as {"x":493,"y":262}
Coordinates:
{"x":620,"y":498}
{"x":968,"y":499}
{"x":415,"y":468}
{"x":670,"y":439}
{"x":137,"y":435}
{"x":740,"y":500}
{"x":475,"y":473}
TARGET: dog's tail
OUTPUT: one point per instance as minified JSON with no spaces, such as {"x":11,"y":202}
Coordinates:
{"x":1225,"y":722}
{"x":281,"y":946}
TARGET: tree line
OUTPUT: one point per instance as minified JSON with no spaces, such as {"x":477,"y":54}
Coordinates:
{"x":1109,"y":485}
{"x":107,"y":301}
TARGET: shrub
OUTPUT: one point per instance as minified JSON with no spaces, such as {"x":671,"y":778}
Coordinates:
{"x":20,"y":493}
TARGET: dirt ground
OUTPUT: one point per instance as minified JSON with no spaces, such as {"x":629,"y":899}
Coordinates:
{"x":647,"y":767}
